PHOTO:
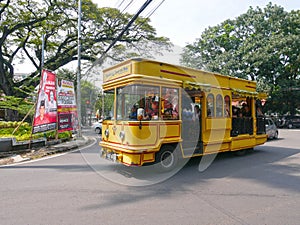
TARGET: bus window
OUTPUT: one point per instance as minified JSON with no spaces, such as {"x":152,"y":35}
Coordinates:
{"x":132,"y":97}
{"x":227,"y":106}
{"x":210,"y":105}
{"x":219,"y":106}
{"x":169,"y":103}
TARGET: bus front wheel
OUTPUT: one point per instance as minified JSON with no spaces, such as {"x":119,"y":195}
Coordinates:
{"x":167,"y":158}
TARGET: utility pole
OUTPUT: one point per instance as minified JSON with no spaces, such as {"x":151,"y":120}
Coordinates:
{"x":101,"y":59}
{"x":79,"y":71}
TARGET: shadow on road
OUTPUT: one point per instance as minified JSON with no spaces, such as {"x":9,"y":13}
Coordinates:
{"x":275,"y":167}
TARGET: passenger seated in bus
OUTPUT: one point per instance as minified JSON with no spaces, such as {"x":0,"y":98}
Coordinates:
{"x":168,"y":112}
{"x":187,"y":114}
{"x":240,"y":114}
{"x":246,"y":110}
{"x":258,"y":106}
{"x":167,"y":109}
{"x":133,"y":113}
{"x":196,"y":115}
{"x":226,"y":112}
{"x":235,"y":111}
{"x":209,"y":113}
{"x":259,"y":112}
{"x":227,"y":106}
{"x":152,"y":112}
{"x":175,"y":113}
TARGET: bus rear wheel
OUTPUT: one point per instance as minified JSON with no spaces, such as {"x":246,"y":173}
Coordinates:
{"x":167,"y":158}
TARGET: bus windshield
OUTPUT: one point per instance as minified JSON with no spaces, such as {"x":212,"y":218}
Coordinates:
{"x":132,"y":97}
{"x":108,"y":105}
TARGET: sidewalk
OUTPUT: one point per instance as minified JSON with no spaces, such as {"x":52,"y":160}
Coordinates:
{"x":50,"y":149}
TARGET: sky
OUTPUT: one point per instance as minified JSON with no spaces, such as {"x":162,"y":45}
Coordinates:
{"x":184,"y":20}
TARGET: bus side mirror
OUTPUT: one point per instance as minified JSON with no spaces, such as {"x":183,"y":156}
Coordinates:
{"x":140,"y":116}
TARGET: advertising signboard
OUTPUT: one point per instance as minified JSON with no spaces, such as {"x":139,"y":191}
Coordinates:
{"x":46,"y":108}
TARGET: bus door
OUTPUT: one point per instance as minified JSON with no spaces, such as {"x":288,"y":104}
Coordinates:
{"x":191,"y":123}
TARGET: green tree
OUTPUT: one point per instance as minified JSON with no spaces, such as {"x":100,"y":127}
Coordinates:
{"x":67,"y":74}
{"x":261,"y":45}
{"x":106,"y":109}
{"x":89,"y":95}
{"x":21,"y":22}
{"x":17,"y":108}
{"x":24,"y":22}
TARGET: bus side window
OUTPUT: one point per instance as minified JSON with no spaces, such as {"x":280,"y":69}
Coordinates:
{"x":210,"y":105}
{"x":219,"y":106}
{"x":227,"y":106}
{"x":169,"y":103}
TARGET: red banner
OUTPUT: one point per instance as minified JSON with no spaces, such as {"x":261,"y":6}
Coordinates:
{"x":46,"y":107}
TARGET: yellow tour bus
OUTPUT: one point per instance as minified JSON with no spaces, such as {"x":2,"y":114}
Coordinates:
{"x":160,"y":113}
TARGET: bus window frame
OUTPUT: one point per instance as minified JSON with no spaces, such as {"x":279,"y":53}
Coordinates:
{"x":212,"y":108}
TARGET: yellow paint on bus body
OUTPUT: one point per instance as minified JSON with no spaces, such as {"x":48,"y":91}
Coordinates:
{"x":136,"y":143}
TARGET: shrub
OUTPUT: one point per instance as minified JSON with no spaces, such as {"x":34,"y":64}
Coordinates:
{"x":23,"y":132}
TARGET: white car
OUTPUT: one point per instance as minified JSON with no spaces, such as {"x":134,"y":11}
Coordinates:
{"x":97,"y":127}
{"x":271,"y":129}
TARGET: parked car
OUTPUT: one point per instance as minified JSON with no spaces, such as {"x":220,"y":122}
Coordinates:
{"x":97,"y":126}
{"x":271,"y":129}
{"x":290,"y":122}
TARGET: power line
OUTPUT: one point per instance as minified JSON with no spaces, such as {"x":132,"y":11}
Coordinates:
{"x":122,"y":1}
{"x":100,"y":60}
{"x":127,"y":6}
{"x":154,"y":9}
{"x":132,"y":3}
{"x":149,"y":14}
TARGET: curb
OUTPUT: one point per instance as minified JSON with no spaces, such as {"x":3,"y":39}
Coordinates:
{"x":46,"y":151}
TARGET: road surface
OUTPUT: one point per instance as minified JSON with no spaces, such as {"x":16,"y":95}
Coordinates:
{"x":262,"y":187}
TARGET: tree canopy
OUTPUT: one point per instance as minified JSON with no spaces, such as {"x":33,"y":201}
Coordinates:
{"x":23,"y":23}
{"x":261,"y":45}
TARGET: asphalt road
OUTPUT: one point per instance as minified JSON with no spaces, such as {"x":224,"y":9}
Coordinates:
{"x":262,"y":187}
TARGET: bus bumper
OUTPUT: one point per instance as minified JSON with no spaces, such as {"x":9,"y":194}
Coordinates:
{"x":126,"y":158}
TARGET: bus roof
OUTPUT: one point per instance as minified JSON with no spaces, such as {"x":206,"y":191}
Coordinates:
{"x":190,"y":78}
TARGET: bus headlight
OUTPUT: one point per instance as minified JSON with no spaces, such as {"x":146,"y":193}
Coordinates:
{"x":106,"y":132}
{"x":122,"y":135}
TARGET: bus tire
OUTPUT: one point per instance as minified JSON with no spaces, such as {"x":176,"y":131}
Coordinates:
{"x":167,"y":158}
